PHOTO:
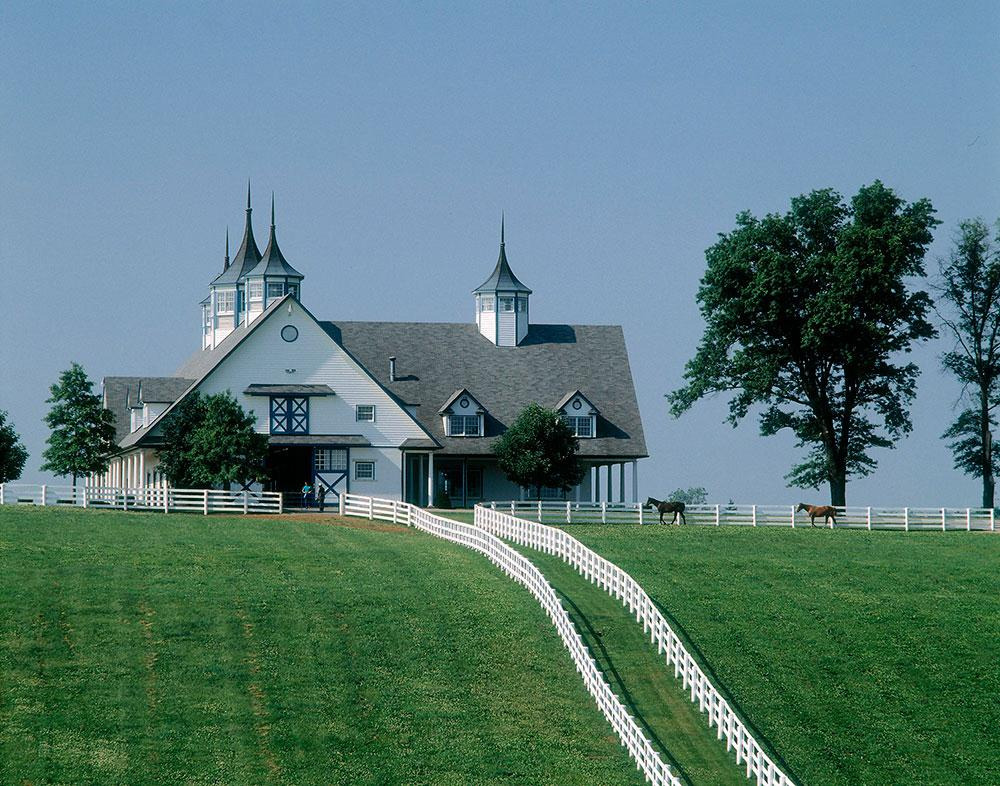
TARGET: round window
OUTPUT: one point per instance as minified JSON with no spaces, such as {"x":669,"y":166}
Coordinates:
{"x":577,"y":404}
{"x":464,"y":403}
{"x":289,"y":333}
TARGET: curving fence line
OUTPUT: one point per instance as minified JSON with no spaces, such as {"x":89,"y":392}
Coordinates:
{"x":520,"y":569}
{"x":903,"y":519}
{"x":620,"y":585}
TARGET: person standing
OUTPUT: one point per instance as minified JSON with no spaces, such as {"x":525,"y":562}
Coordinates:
{"x":306,"y":494}
{"x":321,"y":496}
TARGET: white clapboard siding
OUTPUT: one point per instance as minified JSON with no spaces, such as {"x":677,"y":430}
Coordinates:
{"x":508,"y":329}
{"x":314,"y":358}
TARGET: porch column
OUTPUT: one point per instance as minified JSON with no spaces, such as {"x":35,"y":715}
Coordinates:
{"x":430,"y":479}
{"x":142,"y":469}
{"x":402,"y":476}
{"x":611,"y":497}
{"x":465,"y":483}
{"x":594,"y":478}
{"x":635,"y":480}
{"x":577,"y":493}
{"x":621,"y":482}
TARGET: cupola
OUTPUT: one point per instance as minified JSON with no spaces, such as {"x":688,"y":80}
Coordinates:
{"x":502,"y":303}
{"x":270,"y":279}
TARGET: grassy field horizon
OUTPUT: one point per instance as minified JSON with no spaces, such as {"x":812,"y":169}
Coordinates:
{"x":144,"y":648}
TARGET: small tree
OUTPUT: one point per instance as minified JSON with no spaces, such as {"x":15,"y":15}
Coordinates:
{"x":12,"y":452}
{"x":808,"y":315}
{"x":83,"y":431}
{"x":969,"y":307}
{"x":210,"y":442}
{"x":696,"y":495}
{"x":539,"y":450}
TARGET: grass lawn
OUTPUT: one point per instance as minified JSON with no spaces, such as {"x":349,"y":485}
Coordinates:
{"x":865,"y":658}
{"x":142,"y":648}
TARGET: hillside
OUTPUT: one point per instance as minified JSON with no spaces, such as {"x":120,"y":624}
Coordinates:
{"x":144,"y":648}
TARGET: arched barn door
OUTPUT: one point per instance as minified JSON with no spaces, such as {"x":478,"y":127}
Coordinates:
{"x":330,"y":471}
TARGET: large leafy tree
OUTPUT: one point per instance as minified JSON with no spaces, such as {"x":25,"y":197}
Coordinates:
{"x":210,"y":442}
{"x":539,"y":450}
{"x":807,"y":315}
{"x":83,"y":431}
{"x":12,"y":453}
{"x":969,"y":307}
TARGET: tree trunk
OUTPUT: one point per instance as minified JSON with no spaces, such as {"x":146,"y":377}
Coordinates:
{"x":74,"y":481}
{"x":838,"y":490}
{"x":989,"y":482}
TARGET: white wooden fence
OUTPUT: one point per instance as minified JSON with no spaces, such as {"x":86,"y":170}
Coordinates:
{"x":164,"y":500}
{"x":519,"y":568}
{"x":904,"y":519}
{"x":620,"y":585}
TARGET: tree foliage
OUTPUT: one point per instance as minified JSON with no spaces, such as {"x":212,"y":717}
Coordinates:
{"x":696,"y":495}
{"x":210,"y":442}
{"x":83,"y":431}
{"x":807,"y":314}
{"x":969,"y":308}
{"x":13,"y":454}
{"x":539,"y":450}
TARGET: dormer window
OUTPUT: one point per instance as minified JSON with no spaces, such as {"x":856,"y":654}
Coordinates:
{"x":507,"y":304}
{"x":580,"y":414}
{"x":486,"y":302}
{"x":255,"y":290}
{"x":225,"y":301}
{"x":582,"y":426}
{"x":275,"y":290}
{"x":465,"y":426}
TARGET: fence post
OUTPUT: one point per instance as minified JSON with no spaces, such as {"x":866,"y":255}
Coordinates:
{"x":569,"y":512}
{"x":43,"y":495}
{"x":205,"y":501}
{"x":394,"y":512}
{"x":640,"y":516}
{"x":942,"y":520}
{"x":84,"y":491}
{"x":125,"y":498}
{"x":340,"y":503}
{"x":166,"y":500}
{"x":717,"y":517}
{"x":992,"y":522}
{"x":906,"y":519}
{"x":512,"y":507}
{"x":968,"y":519}
{"x":245,"y":502}
{"x":753,"y":514}
{"x":1,"y":493}
{"x":281,"y":502}
{"x":604,"y":513}
{"x":793,"y":517}
{"x":371,"y":511}
{"x":539,"y":511}
{"x":869,"y":518}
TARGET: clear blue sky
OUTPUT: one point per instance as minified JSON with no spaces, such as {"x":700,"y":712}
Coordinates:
{"x":619,"y":139}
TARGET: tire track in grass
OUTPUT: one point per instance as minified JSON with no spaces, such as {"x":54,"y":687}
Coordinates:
{"x":258,"y":698}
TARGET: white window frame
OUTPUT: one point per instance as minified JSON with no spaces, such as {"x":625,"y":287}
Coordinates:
{"x":224,"y":297}
{"x":357,"y":413}
{"x":507,"y":301}
{"x":255,"y":290}
{"x":576,"y":420}
{"x":364,"y":462}
{"x":486,"y":303}
{"x":276,"y":286}
{"x":465,"y":421}
{"x":324,"y":460}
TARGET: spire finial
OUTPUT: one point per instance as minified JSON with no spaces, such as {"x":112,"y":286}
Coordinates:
{"x":225,"y":265}
{"x":272,"y":210}
{"x":501,"y":227}
{"x":248,"y":196}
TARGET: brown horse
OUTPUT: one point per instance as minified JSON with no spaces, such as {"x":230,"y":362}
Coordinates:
{"x":815,"y":511}
{"x":663,"y":506}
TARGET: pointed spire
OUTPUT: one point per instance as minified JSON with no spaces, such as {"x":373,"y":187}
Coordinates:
{"x":248,"y":196}
{"x":501,"y":227}
{"x":225,"y":265}
{"x":272,"y":210}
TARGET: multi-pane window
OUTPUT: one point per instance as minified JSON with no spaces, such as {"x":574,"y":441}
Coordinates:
{"x":331,"y":459}
{"x":582,"y":426}
{"x":289,"y":415}
{"x":225,"y":301}
{"x":365,"y":413}
{"x":364,"y":470}
{"x":522,"y":304}
{"x":463,"y":425}
{"x":506,"y":304}
{"x":275,"y":289}
{"x":255,"y":290}
{"x":486,"y":302}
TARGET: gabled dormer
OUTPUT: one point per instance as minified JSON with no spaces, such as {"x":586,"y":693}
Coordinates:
{"x":463,"y":415}
{"x":580,"y":413}
{"x":502,"y":303}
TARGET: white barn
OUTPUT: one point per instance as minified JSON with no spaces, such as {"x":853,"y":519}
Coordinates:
{"x":391,"y":409}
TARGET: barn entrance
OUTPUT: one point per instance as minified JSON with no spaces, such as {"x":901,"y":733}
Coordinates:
{"x":290,"y":466}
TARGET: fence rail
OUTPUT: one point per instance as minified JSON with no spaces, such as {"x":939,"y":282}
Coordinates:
{"x":620,"y":585}
{"x":521,"y":570}
{"x":904,"y":519}
{"x":164,"y":500}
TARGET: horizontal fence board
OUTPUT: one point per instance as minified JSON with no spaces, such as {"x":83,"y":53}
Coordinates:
{"x":168,"y":500}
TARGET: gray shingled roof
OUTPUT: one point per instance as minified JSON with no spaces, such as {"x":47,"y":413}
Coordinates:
{"x":246,"y":257}
{"x":502,"y":279}
{"x":273,"y":262}
{"x":433,"y":359}
{"x":154,"y":389}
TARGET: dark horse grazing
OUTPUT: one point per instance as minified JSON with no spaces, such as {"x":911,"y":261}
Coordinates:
{"x":815,"y":511}
{"x":663,"y":506}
